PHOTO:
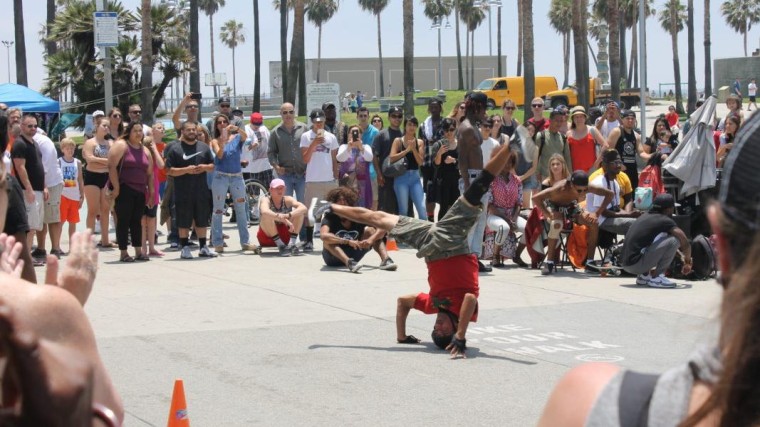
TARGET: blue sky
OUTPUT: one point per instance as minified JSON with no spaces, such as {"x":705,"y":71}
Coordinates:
{"x":352,"y":33}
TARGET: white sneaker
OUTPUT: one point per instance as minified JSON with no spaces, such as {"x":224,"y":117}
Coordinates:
{"x":207,"y":252}
{"x":186,"y":254}
{"x":661,"y":282}
{"x":643,"y":279}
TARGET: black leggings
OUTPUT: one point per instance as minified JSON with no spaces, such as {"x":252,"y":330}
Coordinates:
{"x":129,"y":211}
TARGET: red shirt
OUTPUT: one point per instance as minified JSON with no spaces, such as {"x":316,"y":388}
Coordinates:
{"x":450,"y":279}
{"x":672,"y":119}
{"x":540,"y":124}
{"x":161,"y":172}
{"x":583,"y":152}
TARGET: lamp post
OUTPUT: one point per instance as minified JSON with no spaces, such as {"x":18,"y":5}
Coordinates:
{"x":436,"y":25}
{"x":489,"y":4}
{"x":9,"y":43}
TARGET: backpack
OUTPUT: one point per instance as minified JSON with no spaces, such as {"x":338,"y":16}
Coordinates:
{"x":651,"y":177}
{"x":642,"y":198}
{"x":704,"y":264}
{"x":543,"y":142}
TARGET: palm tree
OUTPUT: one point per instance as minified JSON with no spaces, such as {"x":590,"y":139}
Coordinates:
{"x":376,"y":7}
{"x":691,"y":100}
{"x":579,"y":39}
{"x":472,"y":16}
{"x":528,"y":59}
{"x":51,"y":47}
{"x":605,"y":9}
{"x":631,"y":20}
{"x":319,"y":12}
{"x":614,"y":29}
{"x":282,"y":6}
{"x":296,"y":57}
{"x":561,"y":19}
{"x":256,"y":58}
{"x":739,"y":15}
{"x":672,"y":20}
{"x":460,"y":77}
{"x":210,"y":7}
{"x":195,"y":73}
{"x":708,"y":65}
{"x":232,"y":34}
{"x":20,"y":43}
{"x":435,"y":10}
{"x":519,"y":37}
{"x":476,"y":18}
{"x":408,"y":12}
{"x":146,"y":62}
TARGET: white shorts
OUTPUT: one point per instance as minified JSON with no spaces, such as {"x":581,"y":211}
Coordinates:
{"x":53,"y":204}
{"x":35,"y":212}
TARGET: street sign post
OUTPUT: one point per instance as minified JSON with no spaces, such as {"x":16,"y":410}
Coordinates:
{"x":106,"y":36}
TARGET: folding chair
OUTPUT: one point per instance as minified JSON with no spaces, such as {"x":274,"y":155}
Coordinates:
{"x":563,"y":260}
{"x":607,"y":240}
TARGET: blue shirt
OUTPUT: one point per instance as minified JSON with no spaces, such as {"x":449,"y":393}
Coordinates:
{"x":368,"y":137}
{"x":230,"y":162}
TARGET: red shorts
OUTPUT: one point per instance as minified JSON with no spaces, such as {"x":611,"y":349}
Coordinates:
{"x":267,"y":242}
{"x":69,"y":210}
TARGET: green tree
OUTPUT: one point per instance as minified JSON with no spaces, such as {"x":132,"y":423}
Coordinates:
{"x":319,"y":12}
{"x":146,"y":62}
{"x":631,"y":21}
{"x":528,"y":56}
{"x":376,"y":7}
{"x":20,"y":43}
{"x":408,"y":21}
{"x":51,"y":47}
{"x":296,"y":68}
{"x":672,"y":18}
{"x":740,"y":15}
{"x":210,"y":7}
{"x":435,"y":10}
{"x":614,"y":28}
{"x":561,"y":19}
{"x":232,"y":35}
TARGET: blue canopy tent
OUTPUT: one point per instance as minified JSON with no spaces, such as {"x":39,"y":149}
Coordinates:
{"x":29,"y":101}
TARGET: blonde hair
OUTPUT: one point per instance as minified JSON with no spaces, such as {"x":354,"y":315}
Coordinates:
{"x":68,"y":142}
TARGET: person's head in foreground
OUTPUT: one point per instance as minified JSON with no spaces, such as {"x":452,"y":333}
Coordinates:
{"x":444,"y":329}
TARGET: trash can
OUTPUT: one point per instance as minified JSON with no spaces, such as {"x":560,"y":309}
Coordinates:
{"x":723,"y":93}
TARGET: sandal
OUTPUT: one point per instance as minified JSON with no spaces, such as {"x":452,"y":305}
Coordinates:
{"x":410,"y":339}
{"x":519,"y":262}
{"x":156,"y":253}
{"x":107,"y":245}
{"x":127,"y":258}
{"x":142,"y":257}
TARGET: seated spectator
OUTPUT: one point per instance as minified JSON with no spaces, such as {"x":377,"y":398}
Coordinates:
{"x":558,"y":171}
{"x":281,"y":219}
{"x":623,"y":182}
{"x":345,"y":242}
{"x":504,"y":203}
{"x":614,"y":217}
{"x":353,"y":171}
{"x":560,"y":203}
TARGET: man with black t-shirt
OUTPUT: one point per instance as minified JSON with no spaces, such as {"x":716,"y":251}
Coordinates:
{"x":651,"y":244}
{"x":188,"y":160}
{"x":28,"y":168}
{"x":381,"y":148}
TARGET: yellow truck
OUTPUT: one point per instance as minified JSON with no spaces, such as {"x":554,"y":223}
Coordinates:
{"x":569,"y":95}
{"x":499,"y":89}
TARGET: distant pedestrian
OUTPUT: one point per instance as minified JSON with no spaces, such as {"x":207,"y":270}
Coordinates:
{"x":752,"y":92}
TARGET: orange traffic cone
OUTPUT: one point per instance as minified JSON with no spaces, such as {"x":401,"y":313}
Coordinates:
{"x":390,"y":245}
{"x":178,"y":411}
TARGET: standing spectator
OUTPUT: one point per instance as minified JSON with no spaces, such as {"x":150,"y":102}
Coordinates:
{"x":584,"y":142}
{"x":28,"y":168}
{"x":377,"y":122}
{"x":54,"y":186}
{"x":627,"y":142}
{"x":381,"y":149}
{"x":96,"y":116}
{"x":333,"y":125}
{"x":752,"y":93}
{"x":408,"y":184}
{"x":447,"y":170}
{"x":661,"y":139}
{"x":192,"y":110}
{"x":72,"y":195}
{"x":228,"y":177}
{"x":149,"y":215}
{"x":135,"y":115}
{"x":255,"y":161}
{"x":610,"y":120}
{"x":431,"y":132}
{"x":496,"y":130}
{"x":489,"y":144}
{"x":95,"y":155}
{"x":538,"y":119}
{"x":457,"y":113}
{"x":188,"y":160}
{"x":368,"y":137}
{"x":355,"y":158}
{"x":736,"y":89}
{"x":285,"y":154}
{"x":130,"y":172}
{"x":319,"y":150}
{"x":508,"y":122}
{"x":526,"y":169}
{"x":550,"y":141}
{"x":115,"y":124}
{"x":225,"y":107}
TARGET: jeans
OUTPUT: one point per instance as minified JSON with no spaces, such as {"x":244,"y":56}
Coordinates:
{"x":407,"y":185}
{"x":295,"y":183}
{"x":219,"y":187}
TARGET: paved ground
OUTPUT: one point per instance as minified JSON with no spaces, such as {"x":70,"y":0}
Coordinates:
{"x":285,"y":341}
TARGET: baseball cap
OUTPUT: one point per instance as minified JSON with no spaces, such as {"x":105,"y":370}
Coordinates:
{"x":317,"y":115}
{"x":328,"y":104}
{"x":395,"y":109}
{"x":738,"y":194}
{"x":276,"y":183}
{"x":98,"y":113}
{"x":257,"y":119}
{"x":627,"y":113}
{"x":662,"y":202}
{"x":559,"y":110}
{"x":434,"y":100}
{"x":577,"y":110}
{"x":579,"y":177}
{"x":224,"y":100}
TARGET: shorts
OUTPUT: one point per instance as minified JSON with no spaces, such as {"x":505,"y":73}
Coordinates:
{"x":97,"y":179}
{"x":35,"y":211}
{"x":150,"y":212}
{"x":354,"y":254}
{"x":69,"y":210}
{"x":751,"y":98}
{"x":570,"y":211}
{"x":444,"y":239}
{"x":197,"y":209}
{"x":267,"y":242}
{"x":15,"y":218}
{"x":53,"y":204}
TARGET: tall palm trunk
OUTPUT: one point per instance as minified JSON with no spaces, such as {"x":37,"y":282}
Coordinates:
{"x":319,"y":50}
{"x":579,"y":40}
{"x":623,"y":47}
{"x":676,"y":62}
{"x":708,"y":65}
{"x":691,"y":101}
{"x":498,"y":41}
{"x":408,"y":57}
{"x":296,"y":49}
{"x":256,"y":58}
{"x":50,"y":46}
{"x":195,"y":76}
{"x":472,"y":60}
{"x":380,"y":56}
{"x":528,"y":52}
{"x":234,"y":76}
{"x":20,"y":43}
{"x":519,"y":37}
{"x":211,"y":39}
{"x":460,"y":82}
{"x":584,"y":36}
{"x":467,"y":58}
{"x":614,"y":29}
{"x":146,"y":63}
{"x":633,"y":69}
{"x":566,"y":57}
{"x":284,"y":47}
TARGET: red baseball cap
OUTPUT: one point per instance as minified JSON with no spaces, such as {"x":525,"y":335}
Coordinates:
{"x":257,"y":119}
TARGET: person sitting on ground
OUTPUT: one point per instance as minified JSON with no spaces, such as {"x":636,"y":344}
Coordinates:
{"x":452,"y":267}
{"x":560,"y":203}
{"x":504,"y":203}
{"x":345,"y":242}
{"x":614,"y":218}
{"x":651,"y":244}
{"x":281,"y":219}
{"x":712,"y":386}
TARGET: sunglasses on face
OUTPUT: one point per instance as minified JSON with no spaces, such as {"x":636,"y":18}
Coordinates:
{"x":537,"y":105}
{"x":397,"y":116}
{"x":376,"y":120}
{"x":31,"y":126}
{"x":288,"y":112}
{"x":222,"y":122}
{"x":224,"y":105}
{"x":135,"y":112}
{"x":509,"y":108}
{"x":116,"y":116}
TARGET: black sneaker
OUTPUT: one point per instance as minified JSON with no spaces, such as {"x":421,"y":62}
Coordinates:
{"x":39,"y":253}
{"x":353,"y":266}
{"x":482,"y":268}
{"x":308,"y":247}
{"x":285,"y":251}
{"x":388,"y":265}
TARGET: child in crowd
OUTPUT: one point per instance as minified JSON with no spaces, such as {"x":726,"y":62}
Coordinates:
{"x":72,"y":196}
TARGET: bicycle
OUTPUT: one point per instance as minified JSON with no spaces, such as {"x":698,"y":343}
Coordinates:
{"x":254,"y":191}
